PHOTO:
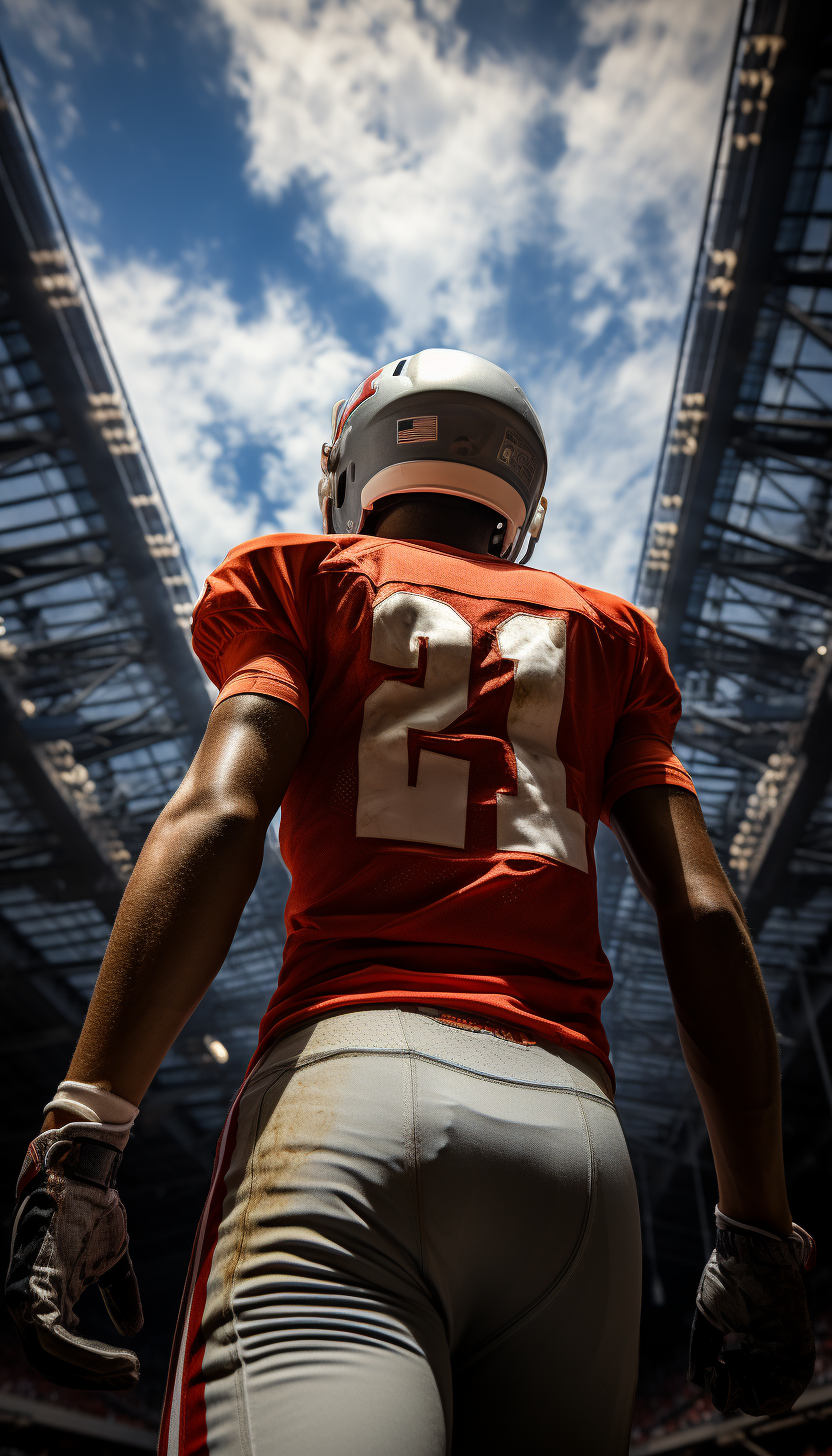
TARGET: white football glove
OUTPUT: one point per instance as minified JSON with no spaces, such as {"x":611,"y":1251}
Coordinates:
{"x":752,"y":1286}
{"x":70,"y":1231}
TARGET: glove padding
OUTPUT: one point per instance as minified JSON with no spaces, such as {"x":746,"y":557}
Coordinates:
{"x":752,"y":1287}
{"x":70,"y":1231}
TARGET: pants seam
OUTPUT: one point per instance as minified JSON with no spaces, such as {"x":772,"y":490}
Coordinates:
{"x":243,"y":1417}
{"x":535,"y":1305}
{"x":411,"y":1111}
{"x":249,"y":1179}
{"x":442,"y":1062}
{"x":243,"y":1413}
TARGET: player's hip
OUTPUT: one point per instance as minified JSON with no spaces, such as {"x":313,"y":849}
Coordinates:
{"x":389,"y":1180}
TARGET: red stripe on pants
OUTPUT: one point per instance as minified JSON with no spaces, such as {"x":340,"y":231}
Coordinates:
{"x":191,"y":1437}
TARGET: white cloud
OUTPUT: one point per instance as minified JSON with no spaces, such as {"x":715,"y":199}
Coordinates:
{"x":602,"y":428}
{"x":423,"y":159}
{"x":69,"y":117}
{"x":55,"y":27}
{"x":639,"y":144}
{"x":425,"y":175}
{"x":205,"y":381}
{"x":419,"y":158}
{"x":627,"y":197}
{"x":425,"y":180}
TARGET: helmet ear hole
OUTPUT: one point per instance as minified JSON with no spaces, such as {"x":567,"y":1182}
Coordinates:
{"x":341,"y":489}
{"x":498,"y":536}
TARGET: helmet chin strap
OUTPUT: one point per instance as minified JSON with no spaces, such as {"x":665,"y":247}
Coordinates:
{"x":325,"y":493}
{"x":535,"y":529}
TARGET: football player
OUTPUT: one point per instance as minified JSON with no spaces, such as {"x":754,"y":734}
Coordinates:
{"x":422,"y":1226}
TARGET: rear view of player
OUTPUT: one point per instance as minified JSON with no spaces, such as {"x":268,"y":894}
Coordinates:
{"x":422,"y":1230}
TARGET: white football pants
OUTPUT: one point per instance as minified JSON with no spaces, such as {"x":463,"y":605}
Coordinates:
{"x":418,"y":1238}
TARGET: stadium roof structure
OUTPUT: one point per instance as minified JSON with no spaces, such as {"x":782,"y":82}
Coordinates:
{"x":736,"y":572}
{"x":101,"y":706}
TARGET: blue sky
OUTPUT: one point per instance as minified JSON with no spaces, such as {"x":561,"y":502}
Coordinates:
{"x":272,"y":197}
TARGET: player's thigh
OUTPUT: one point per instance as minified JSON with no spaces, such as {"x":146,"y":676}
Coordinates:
{"x":351,"y":1399}
{"x":562,"y":1379}
{"x":311,"y":1329}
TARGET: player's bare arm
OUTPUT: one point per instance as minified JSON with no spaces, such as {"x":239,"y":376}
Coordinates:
{"x":752,"y":1283}
{"x":722,"y":1010}
{"x":186,"y":895}
{"x":173,"y":930}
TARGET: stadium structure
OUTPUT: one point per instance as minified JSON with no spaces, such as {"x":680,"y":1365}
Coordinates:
{"x":101,"y":707}
{"x":102,"y":704}
{"x":736,"y":572}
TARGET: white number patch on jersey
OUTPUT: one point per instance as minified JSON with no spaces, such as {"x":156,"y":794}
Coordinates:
{"x":433,"y":811}
{"x":535,"y":819}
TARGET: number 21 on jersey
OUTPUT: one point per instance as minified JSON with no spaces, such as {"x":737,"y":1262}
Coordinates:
{"x":535,"y":819}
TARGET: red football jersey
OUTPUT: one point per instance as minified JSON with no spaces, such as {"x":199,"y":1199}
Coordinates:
{"x":469,"y":723}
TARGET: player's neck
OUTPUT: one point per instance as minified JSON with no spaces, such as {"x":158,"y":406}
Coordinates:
{"x":445,"y":520}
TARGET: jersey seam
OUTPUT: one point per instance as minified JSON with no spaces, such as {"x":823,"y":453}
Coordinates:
{"x":403,"y":581}
{"x":583,"y":607}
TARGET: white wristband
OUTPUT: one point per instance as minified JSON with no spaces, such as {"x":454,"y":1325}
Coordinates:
{"x":802,"y":1242}
{"x":89,"y":1103}
{"x":724,"y":1221}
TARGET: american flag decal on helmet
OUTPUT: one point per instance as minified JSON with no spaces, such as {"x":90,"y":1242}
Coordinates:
{"x":412,"y":432}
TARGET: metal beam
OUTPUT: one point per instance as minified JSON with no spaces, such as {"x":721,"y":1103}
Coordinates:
{"x":11,"y":555}
{"x":762,"y":644}
{"x":718,"y":749}
{"x":71,"y":355}
{"x":88,"y":868}
{"x":762,"y":181}
{"x":799,"y":795}
{"x":785,"y":422}
{"x":809,"y":552}
{"x":127,"y":745}
{"x":823,"y":335}
{"x":40,"y":581}
{"x":770,"y":451}
{"x":767,"y":582}
{"x":805,"y":278}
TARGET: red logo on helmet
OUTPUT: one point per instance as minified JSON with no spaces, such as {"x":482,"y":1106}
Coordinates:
{"x":358,"y":397}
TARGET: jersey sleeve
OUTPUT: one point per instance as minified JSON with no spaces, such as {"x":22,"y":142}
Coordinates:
{"x":250,"y":623}
{"x":641,"y":751}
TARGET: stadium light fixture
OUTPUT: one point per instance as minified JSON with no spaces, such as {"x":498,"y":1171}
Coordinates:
{"x":216,"y":1048}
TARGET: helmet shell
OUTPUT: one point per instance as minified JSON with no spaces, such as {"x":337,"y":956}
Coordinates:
{"x":441,"y":420}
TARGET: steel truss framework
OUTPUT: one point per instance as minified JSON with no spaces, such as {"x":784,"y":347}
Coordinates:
{"x":101,"y":707}
{"x":736,"y":572}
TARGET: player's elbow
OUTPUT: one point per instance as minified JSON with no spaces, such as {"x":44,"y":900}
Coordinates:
{"x":705,"y":901}
{"x":218,"y":812}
